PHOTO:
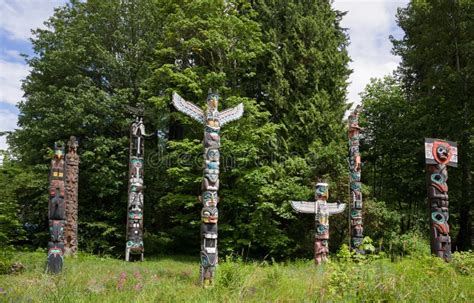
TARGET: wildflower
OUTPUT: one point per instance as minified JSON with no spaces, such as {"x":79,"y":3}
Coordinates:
{"x":121,"y":281}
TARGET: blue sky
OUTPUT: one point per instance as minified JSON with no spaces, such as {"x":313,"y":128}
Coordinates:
{"x":370,"y":22}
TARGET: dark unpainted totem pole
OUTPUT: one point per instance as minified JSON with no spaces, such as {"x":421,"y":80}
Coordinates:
{"x":56,"y":211}
{"x":212,"y":120}
{"x":322,"y":211}
{"x":71,"y":198}
{"x":355,"y":185}
{"x":439,"y":155}
{"x":134,"y":245}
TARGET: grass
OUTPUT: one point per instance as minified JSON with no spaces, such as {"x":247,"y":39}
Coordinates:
{"x":89,"y":278}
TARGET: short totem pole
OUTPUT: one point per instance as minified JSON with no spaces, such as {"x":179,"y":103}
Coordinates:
{"x":212,"y":120}
{"x":322,"y":211}
{"x":439,"y":155}
{"x":135,"y":191}
{"x":357,"y":228}
{"x":56,"y":211}
{"x":71,"y":198}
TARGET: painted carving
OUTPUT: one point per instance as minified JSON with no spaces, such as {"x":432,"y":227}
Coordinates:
{"x":357,"y":228}
{"x":134,"y":245}
{"x":322,"y":210}
{"x":439,"y":155}
{"x":72,"y":183}
{"x":212,"y":120}
{"x":56,"y":211}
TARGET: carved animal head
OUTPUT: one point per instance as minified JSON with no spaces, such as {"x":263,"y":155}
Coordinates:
{"x":322,"y":191}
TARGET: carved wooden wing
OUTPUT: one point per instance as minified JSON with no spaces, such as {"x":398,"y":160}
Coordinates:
{"x":335,"y":208}
{"x":304,"y":207}
{"x":231,"y":114}
{"x":188,"y":108}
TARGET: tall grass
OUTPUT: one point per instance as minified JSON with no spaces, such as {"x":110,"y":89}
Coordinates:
{"x":88,"y":278}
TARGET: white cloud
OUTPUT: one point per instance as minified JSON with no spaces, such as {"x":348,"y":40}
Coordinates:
{"x":8,"y":122}
{"x":13,"y":54}
{"x":17,"y":18}
{"x":11,"y":74}
{"x":369,"y":24}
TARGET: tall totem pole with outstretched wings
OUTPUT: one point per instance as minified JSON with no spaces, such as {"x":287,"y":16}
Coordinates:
{"x":212,"y":120}
{"x":322,"y":211}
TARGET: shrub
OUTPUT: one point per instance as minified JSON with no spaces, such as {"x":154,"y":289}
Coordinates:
{"x":463,"y":262}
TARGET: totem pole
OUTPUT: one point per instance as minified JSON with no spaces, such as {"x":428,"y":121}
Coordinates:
{"x":212,"y":120}
{"x":56,"y":211}
{"x":438,"y":155}
{"x":357,"y":228}
{"x":135,"y":190}
{"x":71,"y":201}
{"x":322,"y":211}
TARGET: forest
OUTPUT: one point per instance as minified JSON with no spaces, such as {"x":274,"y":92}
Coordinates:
{"x":287,"y":62}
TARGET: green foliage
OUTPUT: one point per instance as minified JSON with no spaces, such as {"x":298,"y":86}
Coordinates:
{"x":463,"y":262}
{"x":380,"y":222}
{"x":22,"y":190}
{"x":412,"y":243}
{"x":6,"y":260}
{"x":393,"y":148}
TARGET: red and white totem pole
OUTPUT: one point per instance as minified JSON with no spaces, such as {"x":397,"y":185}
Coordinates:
{"x":439,"y":155}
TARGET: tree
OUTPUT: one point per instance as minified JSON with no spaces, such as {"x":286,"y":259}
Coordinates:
{"x":437,"y":72}
{"x":90,"y":61}
{"x":393,"y":152}
{"x":302,"y":79}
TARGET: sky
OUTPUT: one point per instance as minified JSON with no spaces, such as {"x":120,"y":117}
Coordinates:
{"x":369,"y":24}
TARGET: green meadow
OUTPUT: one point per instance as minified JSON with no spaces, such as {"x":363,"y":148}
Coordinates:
{"x":89,"y":278}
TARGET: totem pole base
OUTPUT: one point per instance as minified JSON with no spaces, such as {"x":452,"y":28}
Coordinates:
{"x":130,"y":256}
{"x":206,"y":278}
{"x":55,"y":265}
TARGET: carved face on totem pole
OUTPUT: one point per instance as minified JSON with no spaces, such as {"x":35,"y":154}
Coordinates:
{"x":136,"y":198}
{"x":212,"y":113}
{"x":209,"y":215}
{"x":58,"y":150}
{"x":209,"y":198}
{"x":56,"y":230}
{"x":212,"y":154}
{"x":72,"y":145}
{"x":211,"y":175}
{"x":57,"y":208}
{"x":322,"y":191}
{"x":441,"y":152}
{"x":135,"y":213}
